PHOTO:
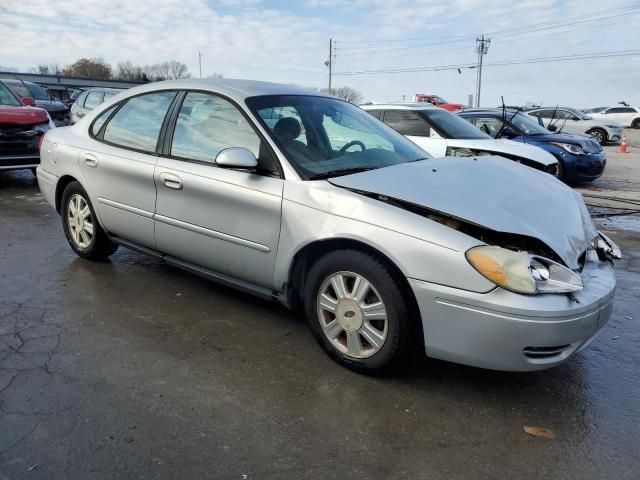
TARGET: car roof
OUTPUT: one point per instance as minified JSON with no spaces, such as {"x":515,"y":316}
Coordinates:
{"x":104,"y":89}
{"x":234,"y":88}
{"x":399,"y":106}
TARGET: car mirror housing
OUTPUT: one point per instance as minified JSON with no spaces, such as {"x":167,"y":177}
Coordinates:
{"x":28,"y":102}
{"x":236,"y":157}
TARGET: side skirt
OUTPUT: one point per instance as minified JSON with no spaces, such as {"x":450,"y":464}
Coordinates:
{"x":221,"y":278}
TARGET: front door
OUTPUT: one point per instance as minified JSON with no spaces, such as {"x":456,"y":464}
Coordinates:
{"x":223,"y":219}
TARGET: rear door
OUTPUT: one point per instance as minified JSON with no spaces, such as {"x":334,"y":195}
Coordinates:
{"x":119,"y":166}
{"x":622,"y":115}
{"x":223,"y":219}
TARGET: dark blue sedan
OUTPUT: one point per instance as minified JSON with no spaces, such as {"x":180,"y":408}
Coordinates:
{"x":580,"y":158}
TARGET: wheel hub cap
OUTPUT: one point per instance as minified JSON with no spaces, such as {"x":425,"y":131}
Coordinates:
{"x":349,"y":315}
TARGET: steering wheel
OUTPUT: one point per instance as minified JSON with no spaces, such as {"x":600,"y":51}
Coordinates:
{"x":351,"y":144}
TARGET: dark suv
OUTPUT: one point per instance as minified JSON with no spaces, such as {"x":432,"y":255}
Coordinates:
{"x":58,"y":111}
{"x":21,"y":129}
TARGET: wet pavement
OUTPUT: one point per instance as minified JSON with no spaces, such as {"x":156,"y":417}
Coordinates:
{"x":133,"y":369}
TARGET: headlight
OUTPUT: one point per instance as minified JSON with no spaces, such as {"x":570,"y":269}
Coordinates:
{"x":571,"y":148}
{"x":522,"y":272}
{"x":464,"y":152}
{"x":42,"y":127}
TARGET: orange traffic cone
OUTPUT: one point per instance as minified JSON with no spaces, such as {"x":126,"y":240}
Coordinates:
{"x":623,"y":145}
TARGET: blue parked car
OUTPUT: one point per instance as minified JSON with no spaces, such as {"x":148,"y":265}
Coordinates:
{"x":580,"y":158}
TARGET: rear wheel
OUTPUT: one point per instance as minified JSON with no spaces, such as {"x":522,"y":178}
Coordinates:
{"x":81,"y":227}
{"x":599,"y":134}
{"x":357,"y":311}
{"x":635,"y":123}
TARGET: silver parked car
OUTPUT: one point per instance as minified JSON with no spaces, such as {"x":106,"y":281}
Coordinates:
{"x":90,"y":99}
{"x":296,"y":196}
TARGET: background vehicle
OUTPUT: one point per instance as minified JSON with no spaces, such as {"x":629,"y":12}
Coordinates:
{"x":580,"y":157}
{"x":437,"y":101}
{"x":72,"y":98}
{"x":442,"y":133}
{"x":570,"y":120}
{"x":589,"y":111}
{"x":90,"y":99}
{"x":626,"y":116}
{"x":57,"y":110}
{"x":379,"y":243}
{"x":21,"y":129}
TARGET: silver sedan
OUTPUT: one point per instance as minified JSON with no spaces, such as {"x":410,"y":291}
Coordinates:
{"x":299,"y":197}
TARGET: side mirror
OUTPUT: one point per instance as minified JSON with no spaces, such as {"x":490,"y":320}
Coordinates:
{"x":28,"y":102}
{"x":552,"y":128}
{"x":236,"y":157}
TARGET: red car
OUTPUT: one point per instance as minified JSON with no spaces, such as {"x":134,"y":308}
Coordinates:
{"x":22,"y":126}
{"x":437,"y":101}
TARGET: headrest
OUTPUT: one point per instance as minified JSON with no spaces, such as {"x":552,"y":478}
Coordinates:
{"x":287,"y":128}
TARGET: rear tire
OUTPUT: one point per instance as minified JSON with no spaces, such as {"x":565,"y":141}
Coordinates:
{"x":635,"y":123}
{"x":367,"y":326}
{"x":81,"y":226}
{"x":599,"y":134}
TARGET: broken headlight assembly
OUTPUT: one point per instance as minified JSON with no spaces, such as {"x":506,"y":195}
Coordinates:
{"x":606,"y":248}
{"x":522,"y":272}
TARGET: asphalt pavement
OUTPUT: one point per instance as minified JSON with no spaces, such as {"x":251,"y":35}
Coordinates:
{"x":133,"y":369}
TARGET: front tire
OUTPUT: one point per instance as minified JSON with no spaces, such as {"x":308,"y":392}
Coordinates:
{"x":81,"y":226}
{"x":357,"y":311}
{"x":599,"y":134}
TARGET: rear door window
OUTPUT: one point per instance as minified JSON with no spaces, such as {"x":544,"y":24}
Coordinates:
{"x":137,"y":124}
{"x":406,"y":122}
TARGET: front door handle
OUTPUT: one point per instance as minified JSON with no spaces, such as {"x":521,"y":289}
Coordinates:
{"x":91,"y":160}
{"x":171,"y":181}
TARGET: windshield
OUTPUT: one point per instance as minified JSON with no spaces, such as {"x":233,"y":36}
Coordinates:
{"x":579,"y":114}
{"x":439,"y":99}
{"x":527,"y":124}
{"x":7,"y":98}
{"x":38,"y":92}
{"x":449,"y":125}
{"x":325,"y":137}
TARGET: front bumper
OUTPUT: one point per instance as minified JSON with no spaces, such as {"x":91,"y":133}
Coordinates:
{"x":502,"y":330}
{"x":583,"y":168}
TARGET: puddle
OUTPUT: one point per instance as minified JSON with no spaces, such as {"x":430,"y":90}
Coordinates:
{"x":621,"y":222}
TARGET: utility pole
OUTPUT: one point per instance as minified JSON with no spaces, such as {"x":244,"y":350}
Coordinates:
{"x":482,"y":47}
{"x":329,"y":63}
{"x":200,"y":62}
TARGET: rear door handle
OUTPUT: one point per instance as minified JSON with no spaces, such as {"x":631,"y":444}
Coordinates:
{"x":171,"y":181}
{"x":91,"y":160}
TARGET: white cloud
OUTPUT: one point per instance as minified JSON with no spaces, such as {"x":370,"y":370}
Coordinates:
{"x":251,"y":39}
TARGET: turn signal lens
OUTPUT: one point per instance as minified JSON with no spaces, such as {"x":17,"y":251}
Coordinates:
{"x":505,"y":268}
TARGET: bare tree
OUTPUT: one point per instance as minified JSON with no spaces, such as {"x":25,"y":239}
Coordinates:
{"x":93,"y":68}
{"x":348,"y":94}
{"x":177,"y":69}
{"x":129,"y":71}
{"x":48,"y":69}
{"x":215,"y":75}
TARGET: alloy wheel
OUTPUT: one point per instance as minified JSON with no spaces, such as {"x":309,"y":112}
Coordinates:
{"x":352,"y":314}
{"x":80,"y":221}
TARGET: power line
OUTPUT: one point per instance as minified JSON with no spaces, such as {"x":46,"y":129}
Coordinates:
{"x":563,"y":58}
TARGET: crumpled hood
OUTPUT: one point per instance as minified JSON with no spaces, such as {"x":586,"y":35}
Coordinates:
{"x":487,"y":191}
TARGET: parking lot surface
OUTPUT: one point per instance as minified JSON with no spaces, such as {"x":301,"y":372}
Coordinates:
{"x":133,"y":369}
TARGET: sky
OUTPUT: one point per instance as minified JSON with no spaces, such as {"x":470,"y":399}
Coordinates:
{"x":288,"y":42}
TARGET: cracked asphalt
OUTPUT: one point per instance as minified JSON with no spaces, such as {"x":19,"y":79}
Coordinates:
{"x":133,"y":369}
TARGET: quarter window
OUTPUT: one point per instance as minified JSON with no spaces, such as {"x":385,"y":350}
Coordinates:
{"x":406,"y":123}
{"x":137,"y":124}
{"x":208,"y":124}
{"x":97,"y":124}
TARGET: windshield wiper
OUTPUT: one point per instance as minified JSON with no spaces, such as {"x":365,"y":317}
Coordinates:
{"x":339,"y":172}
